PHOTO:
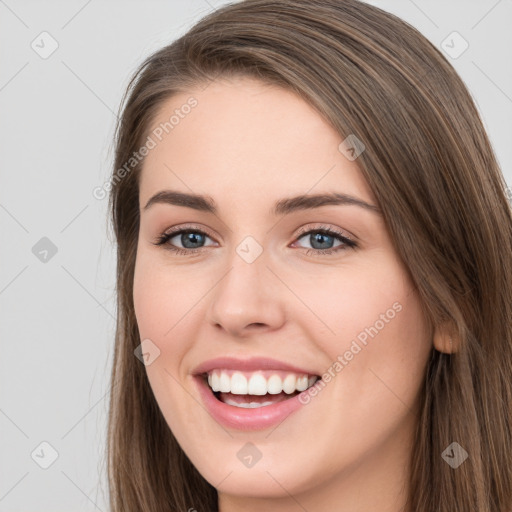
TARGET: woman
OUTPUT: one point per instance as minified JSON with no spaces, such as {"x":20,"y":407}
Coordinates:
{"x":369,"y":369}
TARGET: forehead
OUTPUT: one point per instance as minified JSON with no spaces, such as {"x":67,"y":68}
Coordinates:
{"x":246,"y":139}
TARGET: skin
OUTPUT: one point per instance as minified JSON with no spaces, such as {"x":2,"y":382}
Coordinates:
{"x":247,"y":145}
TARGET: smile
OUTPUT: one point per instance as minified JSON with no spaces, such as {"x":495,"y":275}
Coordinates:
{"x":256,"y":389}
{"x":252,"y":394}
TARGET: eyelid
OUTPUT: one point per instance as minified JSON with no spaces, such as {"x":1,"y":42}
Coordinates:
{"x":303,"y":230}
{"x":314,"y":227}
{"x":188,"y":227}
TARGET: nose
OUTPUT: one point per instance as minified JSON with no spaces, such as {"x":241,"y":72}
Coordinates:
{"x":248,"y":298}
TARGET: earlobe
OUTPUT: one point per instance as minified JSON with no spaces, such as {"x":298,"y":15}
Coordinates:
{"x":444,"y":341}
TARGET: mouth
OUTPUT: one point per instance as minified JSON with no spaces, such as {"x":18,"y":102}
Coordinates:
{"x":256,"y":389}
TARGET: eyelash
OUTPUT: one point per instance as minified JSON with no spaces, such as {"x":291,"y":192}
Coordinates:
{"x":324,"y":230}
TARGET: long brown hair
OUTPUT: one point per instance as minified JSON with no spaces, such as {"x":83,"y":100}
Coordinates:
{"x":430,"y":164}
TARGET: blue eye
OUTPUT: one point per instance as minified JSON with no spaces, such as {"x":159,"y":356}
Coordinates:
{"x":324,"y":236}
{"x":190,"y":238}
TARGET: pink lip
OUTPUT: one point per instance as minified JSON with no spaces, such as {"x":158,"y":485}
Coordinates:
{"x":248,"y":365}
{"x":246,"y":419}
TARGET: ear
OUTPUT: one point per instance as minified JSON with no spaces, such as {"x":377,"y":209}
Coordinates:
{"x":444,"y":339}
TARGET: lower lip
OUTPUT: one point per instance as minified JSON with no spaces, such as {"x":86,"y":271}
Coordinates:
{"x":240,"y":418}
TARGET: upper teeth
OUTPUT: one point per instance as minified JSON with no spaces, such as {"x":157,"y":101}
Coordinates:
{"x":257,"y":383}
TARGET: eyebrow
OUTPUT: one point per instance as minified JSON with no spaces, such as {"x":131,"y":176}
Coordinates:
{"x":281,"y":207}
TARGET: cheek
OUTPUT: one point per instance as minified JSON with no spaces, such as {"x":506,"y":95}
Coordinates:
{"x":361,"y":302}
{"x":373,"y":331}
{"x":167,"y":308}
{"x":160,"y":297}
{"x":378,"y":355}
{"x":149,"y":301}
{"x":160,"y":310}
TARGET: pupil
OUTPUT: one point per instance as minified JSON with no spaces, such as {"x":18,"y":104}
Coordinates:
{"x":320,"y":235}
{"x":190,"y":237}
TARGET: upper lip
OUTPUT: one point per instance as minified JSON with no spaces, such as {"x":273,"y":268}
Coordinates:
{"x":248,"y":365}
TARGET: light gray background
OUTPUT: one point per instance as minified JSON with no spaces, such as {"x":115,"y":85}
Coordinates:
{"x":57,"y":119}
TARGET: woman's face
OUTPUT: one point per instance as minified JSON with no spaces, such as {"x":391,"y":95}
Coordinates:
{"x":250,"y":282}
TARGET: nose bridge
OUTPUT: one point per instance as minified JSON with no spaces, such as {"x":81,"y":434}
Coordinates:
{"x":248,"y":293}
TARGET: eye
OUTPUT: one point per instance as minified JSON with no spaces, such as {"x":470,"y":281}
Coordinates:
{"x":324,"y":236}
{"x":190,"y":237}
